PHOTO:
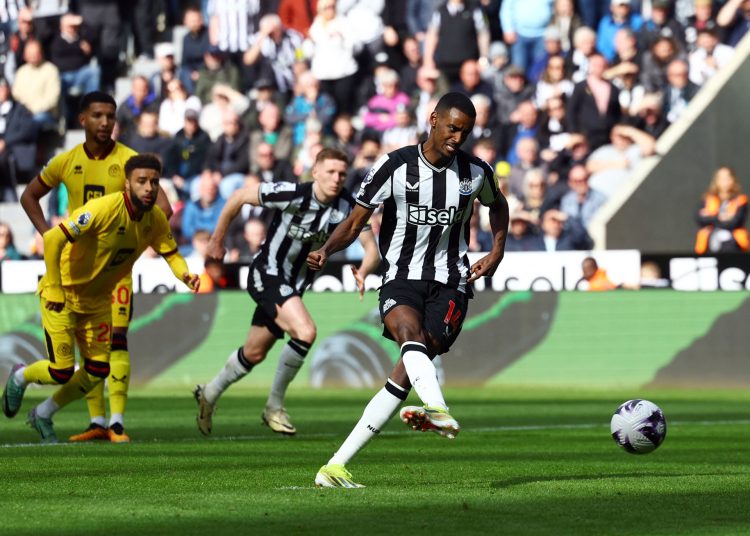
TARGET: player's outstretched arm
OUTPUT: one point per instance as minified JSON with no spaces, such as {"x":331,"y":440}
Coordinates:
{"x":52,"y":290}
{"x":342,"y":236}
{"x":370,"y":261}
{"x":30,"y":197}
{"x":499,"y":217}
{"x":179,"y":268}
{"x":247,"y":195}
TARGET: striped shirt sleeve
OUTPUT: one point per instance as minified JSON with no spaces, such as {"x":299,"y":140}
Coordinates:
{"x":377,"y":186}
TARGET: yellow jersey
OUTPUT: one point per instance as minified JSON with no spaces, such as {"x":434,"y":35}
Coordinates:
{"x":104,"y":243}
{"x":85,"y":176}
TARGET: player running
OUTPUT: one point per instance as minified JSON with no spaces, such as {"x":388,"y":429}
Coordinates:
{"x":93,"y":169}
{"x":428,"y":193}
{"x":305,"y":216}
{"x":86,"y":256}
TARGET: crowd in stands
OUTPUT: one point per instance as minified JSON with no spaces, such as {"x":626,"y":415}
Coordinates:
{"x":570,"y":95}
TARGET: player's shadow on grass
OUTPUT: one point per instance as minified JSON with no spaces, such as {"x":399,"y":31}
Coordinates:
{"x":518,"y":481}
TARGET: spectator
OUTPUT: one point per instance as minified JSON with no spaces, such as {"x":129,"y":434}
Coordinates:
{"x":331,"y":47}
{"x":620,"y":16}
{"x":147,"y":139}
{"x":381,"y":108}
{"x":103,"y":31}
{"x":428,"y":90}
{"x":403,"y":133}
{"x":419,"y":15}
{"x":72,"y":55}
{"x":8,"y":250}
{"x":627,"y":52}
{"x":366,"y":157}
{"x":202,"y":213}
{"x":412,"y":63}
{"x":141,"y":98}
{"x":217,"y":71}
{"x":735,"y":17}
{"x":592,"y":11}
{"x":655,"y":62}
{"x":576,"y":152}
{"x":37,"y":86}
{"x":343,"y":137}
{"x":24,"y":33}
{"x":650,"y":116}
{"x":553,"y":133}
{"x":709,"y":56}
{"x":231,"y":23}
{"x":454,"y":22}
{"x":486,"y":125}
{"x":143,"y":22}
{"x":167,"y":72}
{"x":661,"y":24}
{"x":223,"y":99}
{"x":722,"y":216}
{"x":172,"y":109}
{"x":470,"y":82}
{"x":273,"y":52}
{"x":308,"y":101}
{"x":679,"y":91}
{"x":534,"y":202}
{"x":567,"y":21}
{"x":18,"y":134}
{"x":577,"y":61}
{"x":523,"y":23}
{"x":594,"y":108}
{"x":253,"y":236}
{"x":594,"y":279}
{"x":229,"y":154}
{"x":523,"y":234}
{"x":611,"y":165}
{"x":553,"y":82}
{"x":561,"y":232}
{"x":582,"y":201}
{"x":195,"y":43}
{"x":552,"y":48}
{"x":524,"y":125}
{"x":702,"y":17}
{"x":498,"y":61}
{"x":511,"y":93}
{"x":528,"y":158}
{"x":267,"y":167}
{"x":630,"y":92}
{"x":272,"y":130}
{"x":191,"y":146}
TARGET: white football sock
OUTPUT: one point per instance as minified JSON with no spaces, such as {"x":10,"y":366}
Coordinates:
{"x":422,"y":374}
{"x":291,"y":360}
{"x":47,"y":409}
{"x":100,"y":420}
{"x":116,"y":418}
{"x":377,"y":413}
{"x":235,"y":369}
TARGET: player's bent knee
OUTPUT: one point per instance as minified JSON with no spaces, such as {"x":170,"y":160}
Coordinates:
{"x":99,"y":369}
{"x":61,"y":376}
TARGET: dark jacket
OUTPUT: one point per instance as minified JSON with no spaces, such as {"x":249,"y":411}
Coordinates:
{"x":583,"y":115}
{"x":191,"y":153}
{"x":20,"y":137}
{"x":229,"y":156}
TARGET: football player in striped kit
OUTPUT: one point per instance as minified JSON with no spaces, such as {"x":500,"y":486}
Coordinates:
{"x":427,"y":192}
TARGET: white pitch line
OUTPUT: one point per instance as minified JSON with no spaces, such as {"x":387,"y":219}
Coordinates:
{"x":483,"y":430}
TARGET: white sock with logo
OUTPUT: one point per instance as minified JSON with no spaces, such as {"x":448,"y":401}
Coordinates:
{"x":377,"y":413}
{"x":236,"y":368}
{"x":422,"y":374}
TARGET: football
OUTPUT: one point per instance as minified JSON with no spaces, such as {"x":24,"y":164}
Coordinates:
{"x":638,"y":426}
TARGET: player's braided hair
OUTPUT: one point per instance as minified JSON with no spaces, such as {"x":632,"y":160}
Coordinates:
{"x":143,"y":161}
{"x":95,"y":96}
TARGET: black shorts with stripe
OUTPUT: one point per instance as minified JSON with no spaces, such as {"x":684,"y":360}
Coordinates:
{"x":268,"y":291}
{"x":443,"y":308}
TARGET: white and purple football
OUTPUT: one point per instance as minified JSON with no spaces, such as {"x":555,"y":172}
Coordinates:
{"x":638,"y":426}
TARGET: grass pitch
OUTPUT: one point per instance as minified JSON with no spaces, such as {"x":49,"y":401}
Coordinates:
{"x":532,"y":462}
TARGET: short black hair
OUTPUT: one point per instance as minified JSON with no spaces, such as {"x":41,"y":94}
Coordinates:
{"x":143,"y":161}
{"x":456,"y":100}
{"x":95,"y":96}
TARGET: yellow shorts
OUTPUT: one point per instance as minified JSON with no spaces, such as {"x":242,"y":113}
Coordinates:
{"x":122,"y":302}
{"x":63,"y":330}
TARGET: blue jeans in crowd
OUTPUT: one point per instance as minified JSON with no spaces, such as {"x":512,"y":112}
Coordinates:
{"x":526,"y":51}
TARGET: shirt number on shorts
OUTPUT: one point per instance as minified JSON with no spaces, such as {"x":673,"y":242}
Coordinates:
{"x":103,"y":335}
{"x":452,"y":317}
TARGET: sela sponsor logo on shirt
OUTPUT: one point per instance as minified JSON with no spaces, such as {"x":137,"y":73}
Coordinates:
{"x":285,"y":290}
{"x":298,"y":232}
{"x":465,"y":186}
{"x":390,"y":302}
{"x":422,"y":215}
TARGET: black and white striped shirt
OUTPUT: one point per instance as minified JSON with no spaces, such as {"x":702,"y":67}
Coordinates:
{"x":424,"y":234}
{"x":301,"y":224}
{"x":237,"y":21}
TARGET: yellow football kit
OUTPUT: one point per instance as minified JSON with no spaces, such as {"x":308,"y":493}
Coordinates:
{"x":103,"y":242}
{"x":87,"y":177}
